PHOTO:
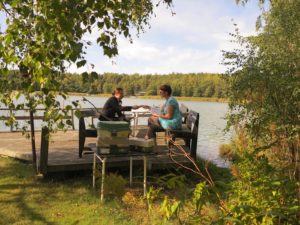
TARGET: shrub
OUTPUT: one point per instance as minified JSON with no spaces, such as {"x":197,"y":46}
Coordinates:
{"x":114,"y":185}
{"x":226,"y":152}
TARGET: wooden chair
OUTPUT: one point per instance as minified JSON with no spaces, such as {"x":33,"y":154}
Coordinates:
{"x":86,"y":132}
{"x":189,"y":132}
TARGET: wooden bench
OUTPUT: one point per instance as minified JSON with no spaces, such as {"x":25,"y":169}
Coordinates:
{"x":84,"y":131}
{"x":189,"y":132}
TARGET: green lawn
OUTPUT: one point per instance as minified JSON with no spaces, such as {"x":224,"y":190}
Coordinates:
{"x":24,"y":199}
{"x":70,"y":199}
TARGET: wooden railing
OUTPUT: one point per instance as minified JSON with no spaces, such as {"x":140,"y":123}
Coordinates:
{"x":42,"y":163}
{"x":38,"y":117}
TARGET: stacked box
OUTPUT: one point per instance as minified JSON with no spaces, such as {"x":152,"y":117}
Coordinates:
{"x":161,"y":139}
{"x":112,"y":137}
{"x":141,"y":144}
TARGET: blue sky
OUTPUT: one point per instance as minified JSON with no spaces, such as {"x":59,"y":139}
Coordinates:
{"x":190,"y":41}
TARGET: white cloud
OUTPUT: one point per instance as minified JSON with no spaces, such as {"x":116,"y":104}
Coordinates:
{"x":190,"y":41}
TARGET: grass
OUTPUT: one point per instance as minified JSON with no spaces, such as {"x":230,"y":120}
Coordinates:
{"x":70,"y":199}
{"x":66,"y":200}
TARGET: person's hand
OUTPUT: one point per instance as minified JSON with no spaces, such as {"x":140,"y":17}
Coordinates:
{"x":141,"y":106}
{"x":146,"y":107}
{"x":155,"y":114}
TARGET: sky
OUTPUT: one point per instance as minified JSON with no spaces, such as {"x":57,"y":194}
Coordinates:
{"x":191,"y":41}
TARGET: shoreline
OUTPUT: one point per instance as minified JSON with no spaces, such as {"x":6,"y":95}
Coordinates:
{"x":183,"y":98}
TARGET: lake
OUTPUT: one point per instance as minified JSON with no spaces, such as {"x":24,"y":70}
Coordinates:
{"x":211,"y":124}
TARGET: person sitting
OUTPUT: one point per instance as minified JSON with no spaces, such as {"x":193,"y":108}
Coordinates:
{"x":113,"y":109}
{"x":170,"y":116}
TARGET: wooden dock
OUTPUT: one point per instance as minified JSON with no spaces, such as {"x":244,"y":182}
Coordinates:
{"x":63,"y":152}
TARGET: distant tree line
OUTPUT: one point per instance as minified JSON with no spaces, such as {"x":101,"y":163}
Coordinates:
{"x":196,"y":85}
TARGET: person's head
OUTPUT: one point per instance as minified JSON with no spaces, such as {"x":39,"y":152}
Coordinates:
{"x":165,"y":91}
{"x":118,"y":93}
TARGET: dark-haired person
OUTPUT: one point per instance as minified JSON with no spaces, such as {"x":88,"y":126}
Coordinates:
{"x":113,"y":109}
{"x":170,"y":116}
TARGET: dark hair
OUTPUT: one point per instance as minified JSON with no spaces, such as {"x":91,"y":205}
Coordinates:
{"x":166,"y":88}
{"x":118,"y":89}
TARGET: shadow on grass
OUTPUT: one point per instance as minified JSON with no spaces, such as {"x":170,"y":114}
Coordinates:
{"x":21,"y":194}
{"x":30,"y":199}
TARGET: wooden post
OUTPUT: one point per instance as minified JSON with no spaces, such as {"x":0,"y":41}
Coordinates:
{"x":145,"y":176}
{"x":195,"y":137}
{"x":81,"y":135}
{"x":130,"y":171}
{"x":94,"y":170}
{"x":44,"y":150}
{"x":72,"y":119}
{"x":11,"y":126}
{"x":33,"y":140}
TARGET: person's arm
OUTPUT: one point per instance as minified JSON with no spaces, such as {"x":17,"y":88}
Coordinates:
{"x":126,"y":108}
{"x":162,"y":107}
{"x":168,"y":115}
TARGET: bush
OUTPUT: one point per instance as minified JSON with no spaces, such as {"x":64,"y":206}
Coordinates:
{"x":226,"y":152}
{"x":261,"y":193}
{"x":114,"y":185}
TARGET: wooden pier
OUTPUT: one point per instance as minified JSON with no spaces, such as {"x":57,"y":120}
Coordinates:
{"x":63,"y":151}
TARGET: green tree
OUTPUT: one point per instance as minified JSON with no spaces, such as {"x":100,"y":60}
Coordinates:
{"x":42,"y":37}
{"x":265,"y":77}
{"x":264,"y":88}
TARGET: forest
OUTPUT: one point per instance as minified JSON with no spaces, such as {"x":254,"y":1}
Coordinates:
{"x":191,"y":85}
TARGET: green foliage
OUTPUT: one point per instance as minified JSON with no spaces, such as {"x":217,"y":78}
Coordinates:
{"x":226,"y":151}
{"x":196,"y":85}
{"x":264,"y":95}
{"x":197,"y":199}
{"x":170,"y":208}
{"x":42,"y":38}
{"x":114,"y":185}
{"x":264,"y":83}
{"x":172,"y":181}
{"x":262,"y":194}
{"x":151,"y":195}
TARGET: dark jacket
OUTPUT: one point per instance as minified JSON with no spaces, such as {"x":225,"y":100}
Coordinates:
{"x":113,"y":109}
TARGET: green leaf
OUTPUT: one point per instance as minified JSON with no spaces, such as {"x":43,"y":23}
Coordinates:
{"x":78,"y":114}
{"x":81,"y":63}
{"x":85,"y":77}
{"x":92,"y":20}
{"x":68,"y":107}
{"x":69,"y":122}
{"x":94,"y":75}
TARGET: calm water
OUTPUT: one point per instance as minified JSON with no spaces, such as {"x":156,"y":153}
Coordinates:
{"x":211,"y":124}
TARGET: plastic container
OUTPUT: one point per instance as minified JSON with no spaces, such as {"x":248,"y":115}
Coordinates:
{"x":112,"y":137}
{"x":142,"y":145}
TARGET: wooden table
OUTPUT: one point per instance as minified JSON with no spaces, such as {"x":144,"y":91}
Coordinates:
{"x":136,"y":113}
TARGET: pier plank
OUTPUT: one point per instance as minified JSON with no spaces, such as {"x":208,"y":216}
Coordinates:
{"x":63,"y":151}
